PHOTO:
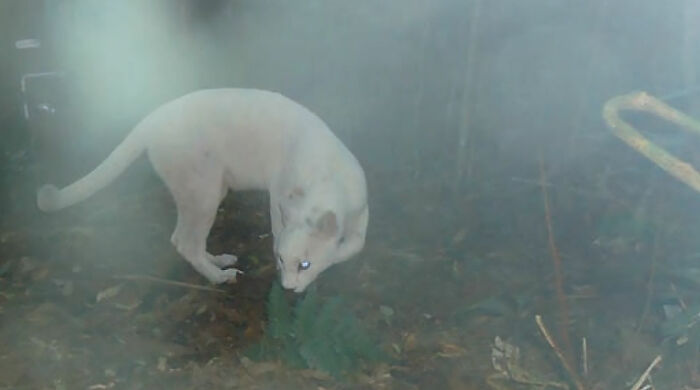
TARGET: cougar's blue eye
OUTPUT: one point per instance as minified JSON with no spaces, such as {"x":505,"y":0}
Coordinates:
{"x":304,"y":265}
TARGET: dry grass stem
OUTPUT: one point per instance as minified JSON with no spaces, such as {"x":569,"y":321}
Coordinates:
{"x":572,"y":373}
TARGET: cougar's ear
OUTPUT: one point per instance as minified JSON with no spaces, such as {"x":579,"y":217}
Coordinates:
{"x":327,"y":224}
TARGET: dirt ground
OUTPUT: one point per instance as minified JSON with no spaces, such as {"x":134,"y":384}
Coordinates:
{"x":89,"y":300}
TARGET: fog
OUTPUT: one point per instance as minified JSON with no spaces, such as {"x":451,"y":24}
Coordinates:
{"x":479,"y":126}
{"x":375,"y":69}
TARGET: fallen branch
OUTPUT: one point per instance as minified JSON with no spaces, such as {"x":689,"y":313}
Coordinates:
{"x":650,"y":284}
{"x":556,"y":264}
{"x":641,"y":101}
{"x":646,"y":373}
{"x":584,"y":356}
{"x":572,"y":373}
{"x":153,"y":279}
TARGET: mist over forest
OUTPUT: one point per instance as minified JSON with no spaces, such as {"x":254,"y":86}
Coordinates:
{"x":497,"y":191}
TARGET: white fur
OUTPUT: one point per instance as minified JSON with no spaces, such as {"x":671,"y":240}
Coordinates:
{"x":210,"y":141}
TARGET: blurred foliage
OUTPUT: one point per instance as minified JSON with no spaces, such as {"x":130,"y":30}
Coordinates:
{"x":324,"y":336}
{"x":627,"y":225}
{"x":681,"y":325}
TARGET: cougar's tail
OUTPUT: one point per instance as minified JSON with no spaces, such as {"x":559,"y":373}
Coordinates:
{"x":50,"y":198}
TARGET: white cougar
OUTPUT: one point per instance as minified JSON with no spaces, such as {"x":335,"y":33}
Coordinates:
{"x":210,"y":141}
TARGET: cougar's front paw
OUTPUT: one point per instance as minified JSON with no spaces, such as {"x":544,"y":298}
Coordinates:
{"x":225,"y":276}
{"x":224,"y":260}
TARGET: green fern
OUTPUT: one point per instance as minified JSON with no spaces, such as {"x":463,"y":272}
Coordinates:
{"x":304,"y":315}
{"x":324,"y":336}
{"x":279,"y":326}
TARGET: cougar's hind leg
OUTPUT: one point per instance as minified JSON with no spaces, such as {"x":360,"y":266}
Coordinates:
{"x":197,"y":198}
{"x":223,"y":260}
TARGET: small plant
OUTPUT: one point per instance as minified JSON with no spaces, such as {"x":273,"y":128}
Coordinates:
{"x":325,"y":336}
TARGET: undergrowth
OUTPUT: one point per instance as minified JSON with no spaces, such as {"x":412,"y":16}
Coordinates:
{"x":315,"y":334}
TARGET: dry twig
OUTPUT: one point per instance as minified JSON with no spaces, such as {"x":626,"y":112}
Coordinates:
{"x":556,"y":262}
{"x":584,"y":356}
{"x":646,"y":373}
{"x":650,"y":284}
{"x":169,"y":282}
{"x":567,"y":366}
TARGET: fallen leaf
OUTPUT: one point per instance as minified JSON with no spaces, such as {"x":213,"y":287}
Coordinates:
{"x":460,"y":236}
{"x":409,"y":342}
{"x":451,"y":351}
{"x":257,"y":369}
{"x":315,"y":374}
{"x":109,"y":292}
{"x":40,"y":274}
{"x":162,"y":363}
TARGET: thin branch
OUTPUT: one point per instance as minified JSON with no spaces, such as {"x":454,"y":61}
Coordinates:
{"x":556,"y":262}
{"x":469,"y":86}
{"x":584,"y":356}
{"x":147,"y":278}
{"x":650,"y":284}
{"x":646,"y":373}
{"x":574,"y":376}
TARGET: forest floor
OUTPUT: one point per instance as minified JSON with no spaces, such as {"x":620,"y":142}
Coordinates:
{"x":87,"y":299}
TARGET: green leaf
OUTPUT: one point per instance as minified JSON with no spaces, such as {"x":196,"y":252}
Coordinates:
{"x":279,"y":316}
{"x":305,"y":316}
{"x":323,"y":335}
